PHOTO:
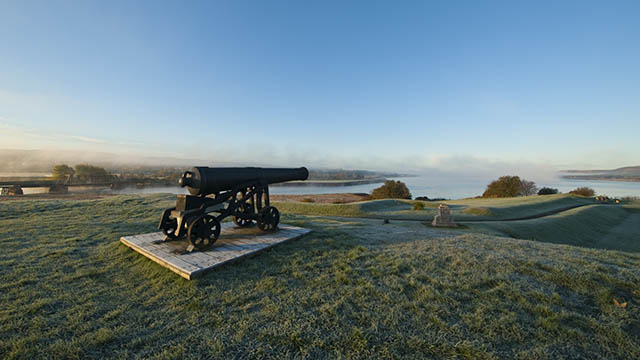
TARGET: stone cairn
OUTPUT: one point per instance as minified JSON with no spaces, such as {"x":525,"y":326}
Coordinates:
{"x":443,"y":219}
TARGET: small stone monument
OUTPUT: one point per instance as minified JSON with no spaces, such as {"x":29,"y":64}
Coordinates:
{"x":443,"y":219}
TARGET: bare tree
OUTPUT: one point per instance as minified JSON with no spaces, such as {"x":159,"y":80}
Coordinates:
{"x":528,"y":188}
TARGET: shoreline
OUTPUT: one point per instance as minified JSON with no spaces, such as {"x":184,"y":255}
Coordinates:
{"x":329,"y":183}
{"x":598,"y":178}
{"x":335,"y":198}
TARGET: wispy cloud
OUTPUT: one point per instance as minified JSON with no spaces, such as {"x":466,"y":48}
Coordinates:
{"x":14,"y":133}
{"x":86,"y":139}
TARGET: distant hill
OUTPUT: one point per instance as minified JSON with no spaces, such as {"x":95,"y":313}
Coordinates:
{"x":627,"y":173}
{"x":628,"y":170}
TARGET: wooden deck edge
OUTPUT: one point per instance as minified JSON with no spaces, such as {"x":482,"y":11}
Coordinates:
{"x":160,"y":261}
{"x":203,"y":270}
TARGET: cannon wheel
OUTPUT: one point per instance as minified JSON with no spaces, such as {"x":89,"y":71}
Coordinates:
{"x":242,"y":208}
{"x":168,"y":225}
{"x":268,"y":218}
{"x":242,"y":221}
{"x":203,"y":232}
{"x":170,"y":228}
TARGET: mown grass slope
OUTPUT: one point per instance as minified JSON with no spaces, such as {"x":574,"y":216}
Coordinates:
{"x":352,"y":288}
{"x":462,"y":210}
{"x":596,"y":226}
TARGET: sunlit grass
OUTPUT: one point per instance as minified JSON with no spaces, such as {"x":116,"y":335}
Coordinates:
{"x":353,"y":288}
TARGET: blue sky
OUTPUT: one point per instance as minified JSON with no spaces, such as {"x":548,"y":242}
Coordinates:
{"x":370,"y":84}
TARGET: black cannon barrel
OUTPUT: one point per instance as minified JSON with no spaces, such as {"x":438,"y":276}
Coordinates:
{"x":202,"y":180}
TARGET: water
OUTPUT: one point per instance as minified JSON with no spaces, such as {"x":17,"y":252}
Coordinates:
{"x":459,"y":188}
{"x":433,"y":187}
{"x":23,"y":174}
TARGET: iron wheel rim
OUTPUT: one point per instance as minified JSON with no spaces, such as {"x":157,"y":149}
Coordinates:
{"x":204,"y":231}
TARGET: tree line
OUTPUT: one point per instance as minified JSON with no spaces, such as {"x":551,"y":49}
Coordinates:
{"x":505,"y":186}
{"x":512,"y":186}
{"x":81,"y":173}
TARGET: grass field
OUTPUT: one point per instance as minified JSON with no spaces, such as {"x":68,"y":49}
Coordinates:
{"x":352,"y":288}
{"x":462,"y":210}
{"x":595,"y":226}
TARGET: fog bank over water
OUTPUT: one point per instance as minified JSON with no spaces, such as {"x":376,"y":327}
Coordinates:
{"x":432,"y":187}
{"x":440,"y":165}
{"x":448,"y":176}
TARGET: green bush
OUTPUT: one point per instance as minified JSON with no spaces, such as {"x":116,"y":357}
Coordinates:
{"x":418,"y":206}
{"x":583,"y":191}
{"x":63,"y":171}
{"x":505,"y":186}
{"x":547,"y":191}
{"x":391,"y":190}
{"x":86,"y":172}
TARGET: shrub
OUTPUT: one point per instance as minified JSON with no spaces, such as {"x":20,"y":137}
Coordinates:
{"x":418,"y":206}
{"x":505,"y":186}
{"x":391,"y":190}
{"x":423,"y":198}
{"x":308,"y":200}
{"x":547,"y":191}
{"x":86,"y":172}
{"x":63,"y":171}
{"x":583,"y":191}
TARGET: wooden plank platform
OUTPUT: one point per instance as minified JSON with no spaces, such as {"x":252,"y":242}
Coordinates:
{"x":234,"y":244}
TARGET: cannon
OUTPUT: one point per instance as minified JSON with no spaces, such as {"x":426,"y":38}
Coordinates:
{"x":216,"y":193}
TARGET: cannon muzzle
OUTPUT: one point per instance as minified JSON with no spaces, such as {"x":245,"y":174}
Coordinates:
{"x":201,"y":180}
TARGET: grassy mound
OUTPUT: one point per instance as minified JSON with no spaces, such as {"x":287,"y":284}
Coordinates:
{"x":373,"y":208}
{"x":352,"y":288}
{"x":519,"y":207}
{"x":462,"y":210}
{"x":595,"y":226}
